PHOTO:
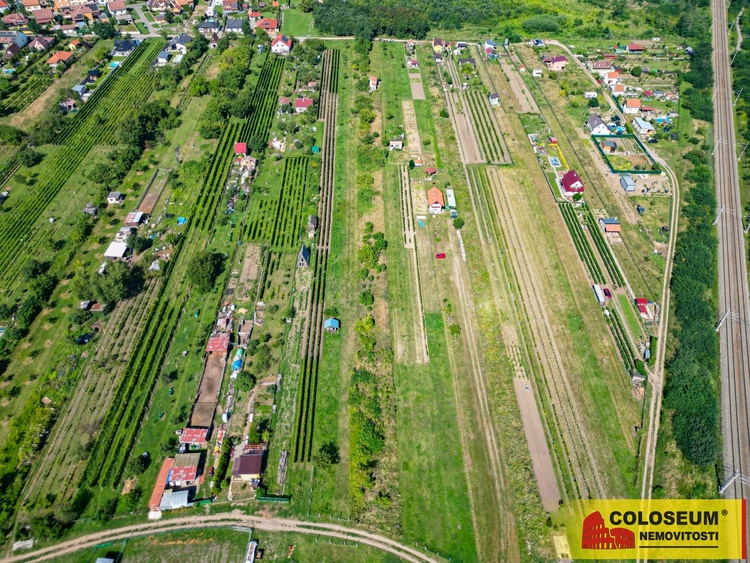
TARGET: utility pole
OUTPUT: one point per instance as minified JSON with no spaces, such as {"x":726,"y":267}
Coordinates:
{"x":719,"y":214}
{"x":738,"y":95}
{"x":743,"y":151}
{"x":721,"y":322}
{"x":736,"y":475}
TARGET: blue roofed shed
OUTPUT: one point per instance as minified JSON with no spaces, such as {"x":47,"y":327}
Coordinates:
{"x":331,"y":325}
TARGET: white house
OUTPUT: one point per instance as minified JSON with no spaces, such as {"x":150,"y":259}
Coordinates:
{"x":632,"y":106}
{"x":536,"y":73}
{"x":435,"y":201}
{"x":117,"y":8}
{"x":281,"y":45}
{"x":373,"y":83}
{"x":596,"y":125}
{"x":590,"y":95}
{"x":642,"y":127}
{"x":494,"y":99}
{"x":114,"y":198}
{"x":180,"y":43}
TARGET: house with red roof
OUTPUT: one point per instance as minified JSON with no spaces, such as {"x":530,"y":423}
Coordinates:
{"x":634,"y":48}
{"x":218,"y":342}
{"x":571,"y":183}
{"x":240,"y":149}
{"x":556,"y":63}
{"x":430,"y":171}
{"x":3,"y":6}
{"x":645,"y":308}
{"x":161,"y":484}
{"x":373,"y":83}
{"x":252,"y":15}
{"x":60,"y":58}
{"x":15,"y":20}
{"x":44,"y":16}
{"x":267,"y":24}
{"x":632,"y":106}
{"x":617,"y":89}
{"x":194,"y":437}
{"x":184,"y":469}
{"x":301,"y":105}
{"x":281,"y":45}
{"x":435,"y":201}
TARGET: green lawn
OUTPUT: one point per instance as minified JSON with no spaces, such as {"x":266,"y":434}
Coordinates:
{"x":141,"y":27}
{"x":149,"y":16}
{"x":296,"y":23}
{"x":628,"y":313}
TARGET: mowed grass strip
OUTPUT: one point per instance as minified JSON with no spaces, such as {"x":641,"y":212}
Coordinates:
{"x":435,"y":507}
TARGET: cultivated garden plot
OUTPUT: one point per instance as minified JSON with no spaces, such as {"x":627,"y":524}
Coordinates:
{"x":625,"y":153}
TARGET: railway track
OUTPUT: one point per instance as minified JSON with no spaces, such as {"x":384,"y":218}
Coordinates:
{"x":733,"y":290}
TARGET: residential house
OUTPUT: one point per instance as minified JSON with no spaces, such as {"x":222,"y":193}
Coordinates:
{"x":612,"y":77}
{"x":31,"y":5}
{"x":435,"y":201}
{"x":230,"y":6}
{"x":439,"y":58}
{"x":373,"y":83}
{"x":124,"y":47}
{"x":617,"y":89}
{"x":184,"y":470}
{"x":181,"y":5}
{"x":41,"y":43}
{"x":249,"y":466}
{"x":412,"y":63}
{"x":254,"y":16}
{"x":3,"y":6}
{"x":537,"y":42}
{"x":11,"y":51}
{"x":234,"y":25}
{"x":602,"y":68}
{"x":642,"y":127}
{"x":632,"y":105}
{"x":609,"y":145}
{"x":44,"y":16}
{"x":160,"y":6}
{"x":396,"y":144}
{"x":93,"y":75}
{"x":634,"y":48}
{"x":627,"y":182}
{"x":117,"y":8}
{"x":590,"y":95}
{"x":301,"y":105}
{"x":571,"y":183}
{"x":468,"y":61}
{"x":489,"y":44}
{"x":610,"y":225}
{"x":180,"y":43}
{"x":536,"y":73}
{"x":494,"y":99}
{"x":8,"y":38}
{"x":596,"y":125}
{"x":331,"y":325}
{"x":267,"y":24}
{"x":67,"y":105}
{"x":430,"y":171}
{"x":208,"y":28}
{"x":162,"y":58}
{"x":15,"y":20}
{"x":60,"y":58}
{"x":75,"y":44}
{"x":281,"y":45}
{"x":556,"y":63}
{"x":438,"y":45}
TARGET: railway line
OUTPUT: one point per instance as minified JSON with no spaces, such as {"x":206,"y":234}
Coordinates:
{"x":734,"y":303}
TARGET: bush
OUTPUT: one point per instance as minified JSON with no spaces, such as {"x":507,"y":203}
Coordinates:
{"x":541,"y":24}
{"x":203,"y":269}
{"x":593,"y":103}
{"x":458,"y":222}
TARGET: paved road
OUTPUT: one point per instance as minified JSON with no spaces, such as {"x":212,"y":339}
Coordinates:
{"x":733,"y":290}
{"x":152,"y":31}
{"x":235,"y":518}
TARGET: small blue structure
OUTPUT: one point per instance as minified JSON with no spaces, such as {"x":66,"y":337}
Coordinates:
{"x":181,"y":220}
{"x":331,"y":325}
{"x":316,"y":149}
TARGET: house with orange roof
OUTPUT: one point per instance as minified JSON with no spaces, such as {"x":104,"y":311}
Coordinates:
{"x":435,"y":201}
{"x":59,"y":58}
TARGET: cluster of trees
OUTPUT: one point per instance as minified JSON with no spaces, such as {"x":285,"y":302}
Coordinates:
{"x":371,"y":19}
{"x":203,"y":269}
{"x":115,"y":284}
{"x":690,"y":392}
{"x":231,"y":94}
{"x":172,"y":75}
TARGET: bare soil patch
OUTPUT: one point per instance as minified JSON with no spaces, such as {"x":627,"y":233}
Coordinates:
{"x":541,"y":460}
{"x":410,"y":126}
{"x":526,"y":102}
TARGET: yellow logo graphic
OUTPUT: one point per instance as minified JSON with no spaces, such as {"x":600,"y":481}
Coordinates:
{"x":658,"y":529}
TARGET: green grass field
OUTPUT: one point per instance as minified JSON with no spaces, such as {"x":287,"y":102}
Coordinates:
{"x":296,"y":23}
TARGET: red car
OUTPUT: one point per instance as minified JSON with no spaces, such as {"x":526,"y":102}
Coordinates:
{"x":440,"y":255}
{"x":607,"y":293}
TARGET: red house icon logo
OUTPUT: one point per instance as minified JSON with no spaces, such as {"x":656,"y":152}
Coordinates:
{"x":596,"y":535}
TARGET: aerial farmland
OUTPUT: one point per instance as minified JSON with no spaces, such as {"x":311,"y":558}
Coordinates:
{"x":336,"y":298}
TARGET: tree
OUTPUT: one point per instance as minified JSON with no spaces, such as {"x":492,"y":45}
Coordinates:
{"x":443,"y":112}
{"x":327,"y":456}
{"x":10,"y":135}
{"x":458,"y":222}
{"x":245,"y":381}
{"x":203,"y":269}
{"x":454,"y":330}
{"x":139,"y":464}
{"x":636,"y":71}
{"x":28,"y":157}
{"x":104,"y":30}
{"x":306,"y":6}
{"x":593,"y":102}
{"x":256,"y":144}
{"x":199,"y":86}
{"x":105,"y":510}
{"x":32,"y":269}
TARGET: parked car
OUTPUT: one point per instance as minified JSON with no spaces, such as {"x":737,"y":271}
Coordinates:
{"x":440,"y":255}
{"x":607,"y":293}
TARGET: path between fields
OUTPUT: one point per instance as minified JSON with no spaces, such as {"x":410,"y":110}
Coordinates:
{"x":223,"y":520}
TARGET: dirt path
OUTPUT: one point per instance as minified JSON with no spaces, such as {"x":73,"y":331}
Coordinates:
{"x":407,"y":207}
{"x":540,"y":454}
{"x":225,"y":520}
{"x":413,"y":142}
